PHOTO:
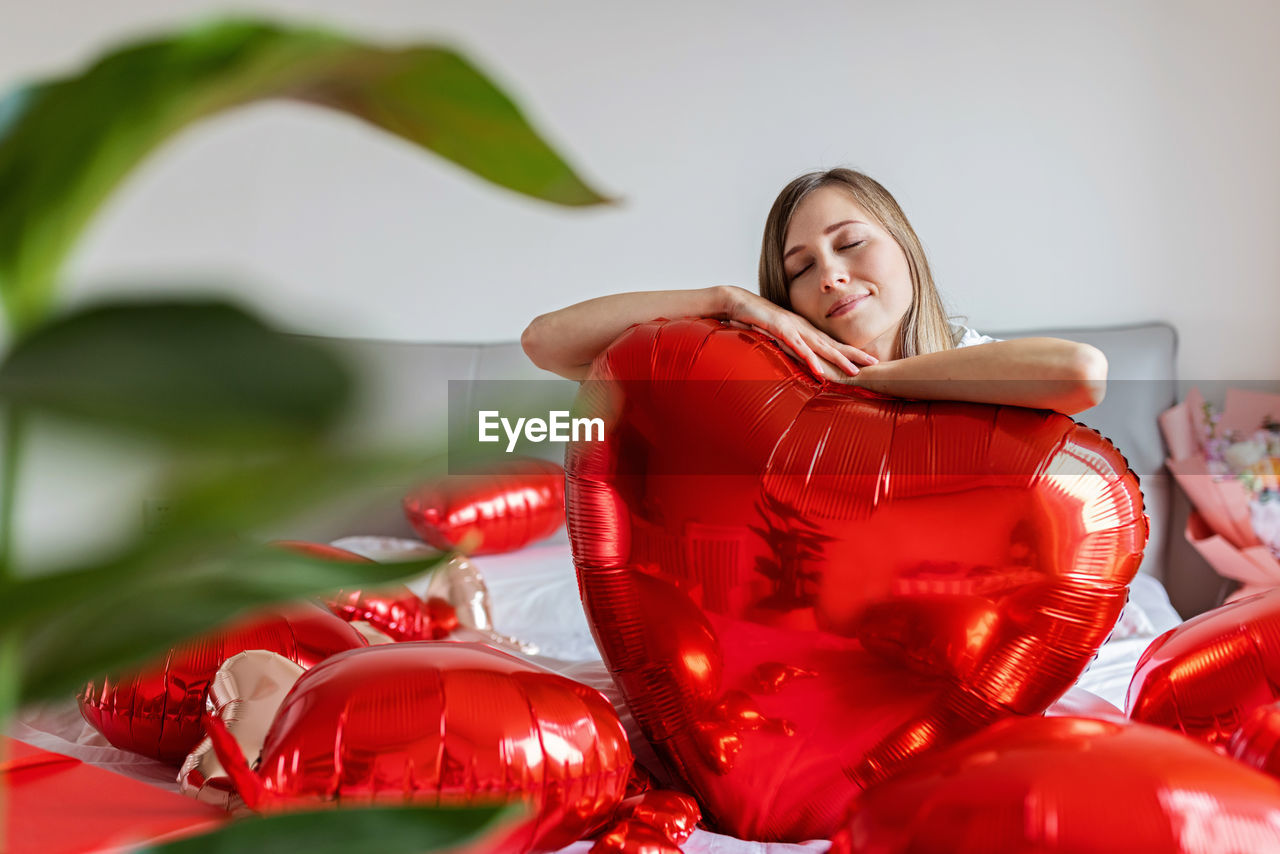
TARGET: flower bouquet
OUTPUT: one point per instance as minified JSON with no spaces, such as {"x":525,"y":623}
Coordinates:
{"x":1228,"y":463}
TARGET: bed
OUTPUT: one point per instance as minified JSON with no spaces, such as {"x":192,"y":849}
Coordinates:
{"x":534,"y":590}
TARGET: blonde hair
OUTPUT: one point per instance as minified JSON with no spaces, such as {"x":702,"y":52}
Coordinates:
{"x":925,"y":327}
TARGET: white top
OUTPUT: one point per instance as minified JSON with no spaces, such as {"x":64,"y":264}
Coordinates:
{"x":972,"y":336}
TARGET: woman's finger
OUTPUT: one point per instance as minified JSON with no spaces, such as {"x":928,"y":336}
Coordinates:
{"x":859,"y":355}
{"x":837,"y":358}
{"x":831,"y":350}
{"x":810,"y":358}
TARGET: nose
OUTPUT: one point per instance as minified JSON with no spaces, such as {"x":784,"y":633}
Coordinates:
{"x":833,"y":275}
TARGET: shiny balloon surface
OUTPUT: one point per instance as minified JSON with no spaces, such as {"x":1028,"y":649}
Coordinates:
{"x":449,"y":723}
{"x":397,"y":612}
{"x":510,"y":505}
{"x":157,"y":711}
{"x":800,"y":585}
{"x":1206,"y":676}
{"x":1062,"y":785}
{"x":1257,"y":742}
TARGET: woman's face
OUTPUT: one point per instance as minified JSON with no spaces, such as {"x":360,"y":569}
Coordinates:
{"x":847,"y":275}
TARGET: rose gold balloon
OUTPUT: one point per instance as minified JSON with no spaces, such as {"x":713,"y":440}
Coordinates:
{"x":800,"y":585}
{"x":512,"y":504}
{"x":157,"y":712}
{"x":460,"y":583}
{"x":1204,"y":677}
{"x":456,"y":596}
{"x":245,"y":693}
{"x":453,"y":723}
{"x":1061,"y":785}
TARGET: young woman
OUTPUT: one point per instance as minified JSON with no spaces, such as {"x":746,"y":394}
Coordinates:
{"x":845,"y":288}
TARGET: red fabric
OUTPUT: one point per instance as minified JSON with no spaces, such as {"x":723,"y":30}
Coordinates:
{"x":55,"y":804}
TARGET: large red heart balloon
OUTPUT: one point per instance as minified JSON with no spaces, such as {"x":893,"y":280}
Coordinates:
{"x":798,"y":585}
{"x":1204,"y":677}
{"x":157,"y":711}
{"x":1065,"y":785}
{"x":449,"y":723}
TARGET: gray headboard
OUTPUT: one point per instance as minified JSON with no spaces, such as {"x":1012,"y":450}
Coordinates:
{"x":405,"y":386}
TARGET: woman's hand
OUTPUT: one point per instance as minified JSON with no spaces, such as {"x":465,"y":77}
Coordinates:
{"x":826,"y":357}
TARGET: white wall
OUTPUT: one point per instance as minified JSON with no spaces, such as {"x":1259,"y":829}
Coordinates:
{"x":1064,"y":163}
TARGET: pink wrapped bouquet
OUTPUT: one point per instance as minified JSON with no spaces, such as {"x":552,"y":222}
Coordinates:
{"x":1228,"y":463}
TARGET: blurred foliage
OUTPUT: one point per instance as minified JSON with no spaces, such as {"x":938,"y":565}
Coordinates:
{"x":194,"y":374}
{"x":396,"y":830}
{"x":244,"y":412}
{"x":65,"y":144}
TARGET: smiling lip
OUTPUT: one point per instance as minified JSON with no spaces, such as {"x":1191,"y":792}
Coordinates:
{"x":847,"y":305}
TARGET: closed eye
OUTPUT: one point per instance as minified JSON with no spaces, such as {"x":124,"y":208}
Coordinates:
{"x":798,"y":273}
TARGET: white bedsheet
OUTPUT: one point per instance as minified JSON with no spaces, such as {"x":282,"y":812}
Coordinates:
{"x":535,"y":598}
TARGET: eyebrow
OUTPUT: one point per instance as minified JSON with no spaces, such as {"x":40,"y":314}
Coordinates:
{"x":794,"y":249}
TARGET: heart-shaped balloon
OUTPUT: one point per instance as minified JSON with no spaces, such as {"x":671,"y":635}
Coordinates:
{"x":1062,"y":785}
{"x":157,"y":711}
{"x":394,"y":613}
{"x":397,"y":612}
{"x":1206,"y":676}
{"x":450,"y":723}
{"x":507,"y":506}
{"x":456,"y":596}
{"x":799,"y":585}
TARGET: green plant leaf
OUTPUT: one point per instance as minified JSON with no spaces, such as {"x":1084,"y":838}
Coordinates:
{"x":66,"y":143}
{"x":214,"y":510}
{"x":198,"y":373}
{"x":387,"y":830}
{"x":225,"y":499}
{"x":107,"y":621}
{"x":197,"y":571}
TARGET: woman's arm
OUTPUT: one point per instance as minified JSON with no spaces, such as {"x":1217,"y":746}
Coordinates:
{"x":566,"y":341}
{"x":1042,"y":373}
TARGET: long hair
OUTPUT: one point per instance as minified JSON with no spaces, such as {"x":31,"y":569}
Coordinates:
{"x":925,"y":327}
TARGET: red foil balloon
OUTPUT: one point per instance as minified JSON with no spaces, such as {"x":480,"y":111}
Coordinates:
{"x":1204,"y":677}
{"x":157,"y":712}
{"x":799,"y":585}
{"x":509,"y":506}
{"x":1064,"y":785}
{"x":674,"y":814}
{"x":397,"y":612}
{"x":1257,"y":742}
{"x":450,"y":723}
